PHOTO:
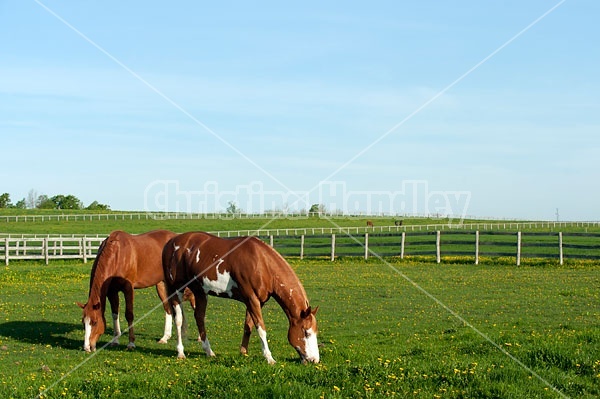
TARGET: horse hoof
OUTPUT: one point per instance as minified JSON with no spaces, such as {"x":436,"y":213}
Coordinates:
{"x":162,"y":341}
{"x":131,"y":346}
{"x":114,"y":344}
{"x":244,"y":351}
{"x":180,"y":356}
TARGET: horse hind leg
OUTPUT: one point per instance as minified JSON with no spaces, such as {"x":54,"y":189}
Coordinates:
{"x":175,"y":302}
{"x":248,"y":325}
{"x":161,"y":290}
{"x":199,"y":315}
{"x":113,"y":299}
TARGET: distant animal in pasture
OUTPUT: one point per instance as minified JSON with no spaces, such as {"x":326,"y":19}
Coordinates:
{"x":125,"y":262}
{"x":245,"y":269}
{"x":398,"y":222}
{"x":369,"y":223}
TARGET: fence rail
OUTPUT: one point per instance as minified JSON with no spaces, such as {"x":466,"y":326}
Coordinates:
{"x":437,"y":243}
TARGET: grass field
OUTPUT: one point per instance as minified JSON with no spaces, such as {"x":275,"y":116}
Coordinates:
{"x":400,"y":329}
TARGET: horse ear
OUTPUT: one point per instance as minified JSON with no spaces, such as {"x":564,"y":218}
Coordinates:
{"x":305,"y":313}
{"x":81,"y":305}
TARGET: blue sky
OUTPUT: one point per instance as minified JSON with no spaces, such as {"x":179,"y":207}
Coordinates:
{"x":363,"y":107}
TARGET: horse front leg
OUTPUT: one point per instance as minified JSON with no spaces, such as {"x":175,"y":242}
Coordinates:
{"x":254,"y":308}
{"x":128,"y":291}
{"x":161,"y":290}
{"x":199,"y":315}
{"x":113,"y":299}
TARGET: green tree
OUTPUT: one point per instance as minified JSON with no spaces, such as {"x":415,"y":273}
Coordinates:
{"x":22,"y":204}
{"x":316,"y":210}
{"x":66,"y":202}
{"x":5,"y":200}
{"x":232,"y":208}
{"x":95,"y":206}
{"x":43,"y":202}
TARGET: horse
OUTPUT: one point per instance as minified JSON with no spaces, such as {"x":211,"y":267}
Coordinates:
{"x":398,"y":222}
{"x":125,"y":262}
{"x":247,"y":270}
{"x":369,"y":223}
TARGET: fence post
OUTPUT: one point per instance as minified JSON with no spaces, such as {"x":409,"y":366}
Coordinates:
{"x":366,"y":246}
{"x":302,"y":247}
{"x":6,"y":251}
{"x":46,"y":249}
{"x":560,"y":247}
{"x":271,"y":240}
{"x":83,"y":250}
{"x":477,"y":247}
{"x":438,"y":254}
{"x":402,"y":240}
{"x":332,"y":247}
{"x":518,"y":248}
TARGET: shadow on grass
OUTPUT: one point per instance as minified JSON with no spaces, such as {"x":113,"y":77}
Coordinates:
{"x":55,"y":334}
{"x":42,"y":333}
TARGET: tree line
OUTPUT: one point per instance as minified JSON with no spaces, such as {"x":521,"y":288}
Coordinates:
{"x":42,"y":201}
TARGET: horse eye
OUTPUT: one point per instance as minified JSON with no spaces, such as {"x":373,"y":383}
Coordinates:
{"x":306,"y":334}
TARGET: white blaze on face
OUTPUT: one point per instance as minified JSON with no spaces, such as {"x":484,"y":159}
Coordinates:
{"x":223,"y":284}
{"x":87,"y":325}
{"x":311,"y":347}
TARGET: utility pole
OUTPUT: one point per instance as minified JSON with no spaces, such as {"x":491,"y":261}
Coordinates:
{"x":557,"y":216}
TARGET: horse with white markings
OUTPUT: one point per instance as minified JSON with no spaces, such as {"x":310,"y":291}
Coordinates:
{"x":124,"y":262}
{"x":245,"y":269}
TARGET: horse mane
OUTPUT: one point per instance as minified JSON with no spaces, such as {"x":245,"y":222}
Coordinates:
{"x":105,"y":252}
{"x":289,"y":273}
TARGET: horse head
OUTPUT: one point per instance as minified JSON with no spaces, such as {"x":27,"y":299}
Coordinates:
{"x":94,"y":324}
{"x":302,"y":335}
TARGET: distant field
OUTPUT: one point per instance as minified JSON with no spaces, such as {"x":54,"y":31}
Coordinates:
{"x":387,"y":329}
{"x":141,"y":222}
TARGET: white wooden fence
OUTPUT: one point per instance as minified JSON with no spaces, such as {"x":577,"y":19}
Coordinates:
{"x":49,"y":248}
{"x":432,"y":243}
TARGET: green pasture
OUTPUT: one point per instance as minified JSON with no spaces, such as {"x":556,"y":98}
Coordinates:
{"x":142,"y":222}
{"x":402,"y":329}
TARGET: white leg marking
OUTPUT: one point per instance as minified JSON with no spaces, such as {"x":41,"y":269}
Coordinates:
{"x":88,"y":332}
{"x":207,"y":349}
{"x":265,"y":346}
{"x":117,"y":328}
{"x":168,"y":329}
{"x":178,"y":324}
{"x":311,"y":347}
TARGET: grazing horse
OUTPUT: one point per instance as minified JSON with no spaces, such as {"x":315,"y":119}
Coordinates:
{"x":398,"y":222}
{"x":124,"y":262}
{"x":245,"y":269}
{"x":369,"y":223}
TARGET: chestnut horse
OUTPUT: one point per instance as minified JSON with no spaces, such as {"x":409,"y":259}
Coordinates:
{"x":124,"y":262}
{"x":245,"y":269}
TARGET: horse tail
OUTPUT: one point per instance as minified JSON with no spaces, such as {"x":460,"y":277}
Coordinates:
{"x":170,"y":261}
